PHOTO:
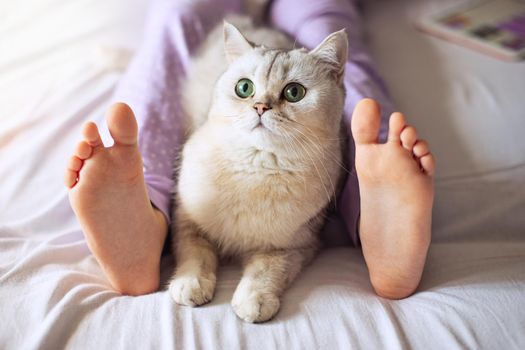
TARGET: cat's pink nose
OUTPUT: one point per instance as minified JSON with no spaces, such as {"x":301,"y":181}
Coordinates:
{"x":261,"y":107}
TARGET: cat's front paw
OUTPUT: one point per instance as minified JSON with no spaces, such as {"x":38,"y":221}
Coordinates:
{"x":255,"y":306}
{"x":192,"y":290}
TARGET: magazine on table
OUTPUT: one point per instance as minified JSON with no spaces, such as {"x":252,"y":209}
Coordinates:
{"x":493,"y":27}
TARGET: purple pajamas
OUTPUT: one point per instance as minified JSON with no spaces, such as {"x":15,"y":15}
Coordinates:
{"x":174,"y":30}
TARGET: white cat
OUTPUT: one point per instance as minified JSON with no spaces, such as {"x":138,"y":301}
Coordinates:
{"x":262,"y":165}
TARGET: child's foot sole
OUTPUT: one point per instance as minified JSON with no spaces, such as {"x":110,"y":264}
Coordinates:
{"x":396,"y":189}
{"x":108,"y":195}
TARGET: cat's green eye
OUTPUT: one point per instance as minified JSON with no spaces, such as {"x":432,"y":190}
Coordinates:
{"x":245,"y":88}
{"x":294,"y":92}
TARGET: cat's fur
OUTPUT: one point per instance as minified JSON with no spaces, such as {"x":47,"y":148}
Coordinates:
{"x":258,"y":193}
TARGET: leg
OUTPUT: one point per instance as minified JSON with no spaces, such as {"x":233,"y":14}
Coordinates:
{"x":194,"y":281}
{"x":395,"y":265}
{"x":265,"y":277}
{"x":108,"y":195}
{"x":397,"y":192}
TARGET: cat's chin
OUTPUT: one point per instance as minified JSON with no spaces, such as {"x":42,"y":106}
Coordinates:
{"x":260,"y":128}
{"x":262,"y":136}
{"x":261,"y":132}
{"x":257,"y":128}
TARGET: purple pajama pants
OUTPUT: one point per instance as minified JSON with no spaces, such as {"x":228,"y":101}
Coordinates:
{"x":175,"y":29}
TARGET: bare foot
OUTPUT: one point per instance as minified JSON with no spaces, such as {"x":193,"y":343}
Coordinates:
{"x":396,"y":188}
{"x":108,"y":195}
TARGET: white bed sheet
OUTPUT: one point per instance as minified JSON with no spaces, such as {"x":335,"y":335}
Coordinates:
{"x":56,"y":71}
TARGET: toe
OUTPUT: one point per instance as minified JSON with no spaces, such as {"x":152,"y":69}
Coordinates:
{"x":421,"y":148}
{"x":428,"y":163}
{"x":83,"y":150}
{"x":366,"y":120}
{"x":74,"y":164}
{"x":408,"y":137}
{"x":70,"y":178}
{"x":91,"y":134}
{"x":122,"y":124}
{"x":396,"y":124}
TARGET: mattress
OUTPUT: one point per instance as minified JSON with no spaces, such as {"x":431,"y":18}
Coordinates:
{"x":59,"y":64}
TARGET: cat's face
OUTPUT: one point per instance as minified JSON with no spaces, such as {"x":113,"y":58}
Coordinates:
{"x":273,"y":96}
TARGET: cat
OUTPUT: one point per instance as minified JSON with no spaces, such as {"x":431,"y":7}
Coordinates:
{"x":262,"y":165}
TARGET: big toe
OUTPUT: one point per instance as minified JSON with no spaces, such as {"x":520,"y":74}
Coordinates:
{"x":122,"y":124}
{"x":366,"y":121}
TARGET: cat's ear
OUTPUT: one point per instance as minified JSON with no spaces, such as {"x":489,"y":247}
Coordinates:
{"x":235,"y":44}
{"x":334,"y":51}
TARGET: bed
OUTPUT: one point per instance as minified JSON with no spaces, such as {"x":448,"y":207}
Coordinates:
{"x":59,"y":63}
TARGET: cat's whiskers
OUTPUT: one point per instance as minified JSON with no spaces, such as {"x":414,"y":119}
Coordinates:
{"x":317,"y":136}
{"x":319,"y":153}
{"x":289,"y":141}
{"x":330,"y":154}
{"x":315,"y":166}
{"x":240,"y":122}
